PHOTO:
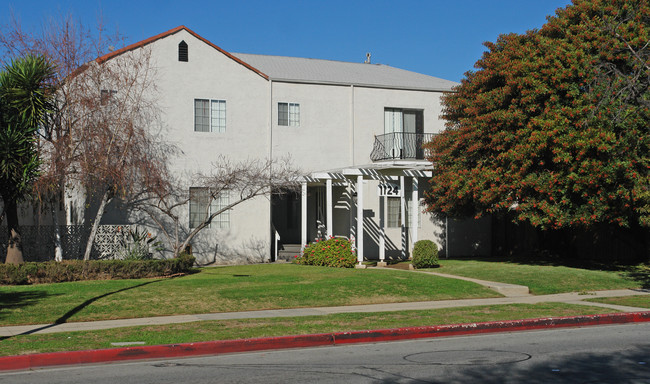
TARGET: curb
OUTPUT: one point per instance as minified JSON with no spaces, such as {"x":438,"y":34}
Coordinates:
{"x":22,"y":362}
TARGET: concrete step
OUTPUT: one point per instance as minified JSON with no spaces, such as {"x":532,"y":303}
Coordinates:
{"x":289,"y":251}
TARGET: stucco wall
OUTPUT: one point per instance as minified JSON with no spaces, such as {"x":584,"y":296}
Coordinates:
{"x":209,"y":74}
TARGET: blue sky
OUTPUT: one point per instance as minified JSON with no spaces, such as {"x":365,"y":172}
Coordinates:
{"x":434,"y":37}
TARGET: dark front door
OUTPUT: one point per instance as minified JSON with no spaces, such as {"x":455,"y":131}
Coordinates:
{"x":286,"y":217}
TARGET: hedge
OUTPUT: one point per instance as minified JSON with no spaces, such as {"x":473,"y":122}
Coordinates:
{"x":76,"y":270}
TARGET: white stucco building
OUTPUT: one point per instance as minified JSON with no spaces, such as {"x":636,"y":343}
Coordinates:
{"x":355,"y":129}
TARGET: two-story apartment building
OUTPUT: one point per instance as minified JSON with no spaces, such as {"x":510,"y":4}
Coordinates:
{"x":355,"y":129}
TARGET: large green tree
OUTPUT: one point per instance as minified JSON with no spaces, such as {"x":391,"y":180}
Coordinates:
{"x":24,"y":100}
{"x":552,"y":126}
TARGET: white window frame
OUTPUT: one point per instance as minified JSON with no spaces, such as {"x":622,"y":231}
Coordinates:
{"x":197,"y":209}
{"x":290,"y":117}
{"x":394,"y":212}
{"x":216,"y":115}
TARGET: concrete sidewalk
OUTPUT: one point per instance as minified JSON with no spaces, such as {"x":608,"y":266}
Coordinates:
{"x":572,"y":298}
{"x":513,"y":294}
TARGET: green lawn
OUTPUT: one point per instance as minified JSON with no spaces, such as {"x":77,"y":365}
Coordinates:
{"x":541,"y":279}
{"x":249,"y":328}
{"x":224,"y":289}
{"x":640,"y":301}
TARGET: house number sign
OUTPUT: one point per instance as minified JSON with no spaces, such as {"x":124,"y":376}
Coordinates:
{"x":389,"y":189}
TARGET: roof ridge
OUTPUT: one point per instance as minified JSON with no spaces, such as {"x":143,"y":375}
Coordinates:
{"x":170,"y":32}
{"x":312,"y":58}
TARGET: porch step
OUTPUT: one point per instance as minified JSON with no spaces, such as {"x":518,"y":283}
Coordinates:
{"x":289,"y":251}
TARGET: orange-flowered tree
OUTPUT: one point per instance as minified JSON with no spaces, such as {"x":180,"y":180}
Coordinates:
{"x":553,"y":125}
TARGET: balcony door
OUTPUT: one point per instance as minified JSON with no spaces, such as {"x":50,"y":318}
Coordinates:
{"x":401,"y":129}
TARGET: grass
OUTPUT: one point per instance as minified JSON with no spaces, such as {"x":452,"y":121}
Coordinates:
{"x":640,"y":301}
{"x":541,"y":279}
{"x":224,"y":289}
{"x":249,"y":328}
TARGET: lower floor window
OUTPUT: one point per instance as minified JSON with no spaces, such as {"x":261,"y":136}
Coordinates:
{"x":394,"y":212}
{"x":204,"y":203}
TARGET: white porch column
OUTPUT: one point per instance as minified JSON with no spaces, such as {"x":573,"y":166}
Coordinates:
{"x":303,"y":216}
{"x":352,"y":216}
{"x":402,"y":200}
{"x":328,"y":204}
{"x":360,"y":219}
{"x":415,"y":211}
{"x":382,"y":233}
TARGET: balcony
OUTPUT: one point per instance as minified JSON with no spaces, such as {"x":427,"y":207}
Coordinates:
{"x":400,"y":146}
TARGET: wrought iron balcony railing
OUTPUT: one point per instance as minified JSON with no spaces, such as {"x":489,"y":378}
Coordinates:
{"x":400,"y":145}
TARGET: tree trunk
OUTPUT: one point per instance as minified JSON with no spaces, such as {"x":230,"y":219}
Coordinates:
{"x":15,"y":245}
{"x":106,"y":198}
{"x":58,"y":248}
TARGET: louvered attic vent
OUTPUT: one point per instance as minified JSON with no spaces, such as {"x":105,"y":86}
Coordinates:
{"x":182,"y":51}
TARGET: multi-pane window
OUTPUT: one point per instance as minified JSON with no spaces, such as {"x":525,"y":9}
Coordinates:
{"x":106,"y":95}
{"x":199,"y":205}
{"x":394,"y":212}
{"x":209,"y":115}
{"x":203,"y":205}
{"x":289,"y":114}
{"x":222,"y":220}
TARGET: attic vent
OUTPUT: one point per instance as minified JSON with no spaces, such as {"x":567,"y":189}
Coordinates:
{"x":182,"y":51}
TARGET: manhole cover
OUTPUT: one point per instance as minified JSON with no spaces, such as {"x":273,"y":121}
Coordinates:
{"x":467,"y":357}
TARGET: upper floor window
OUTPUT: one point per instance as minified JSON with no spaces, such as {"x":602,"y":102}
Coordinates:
{"x":209,"y":115}
{"x":182,"y":51}
{"x":289,"y":114}
{"x":106,"y":95}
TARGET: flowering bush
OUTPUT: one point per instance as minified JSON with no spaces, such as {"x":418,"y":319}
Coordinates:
{"x":333,"y":252}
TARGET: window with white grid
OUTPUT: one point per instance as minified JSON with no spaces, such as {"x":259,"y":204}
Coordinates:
{"x":289,"y":114}
{"x":222,"y":220}
{"x":394,"y":212}
{"x":202,"y":205}
{"x":209,"y":115}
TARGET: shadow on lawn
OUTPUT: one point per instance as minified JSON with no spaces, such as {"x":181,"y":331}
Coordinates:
{"x":640,"y":274}
{"x":636,"y":272}
{"x":551,"y":260}
{"x":15,"y":300}
{"x":81,"y":306}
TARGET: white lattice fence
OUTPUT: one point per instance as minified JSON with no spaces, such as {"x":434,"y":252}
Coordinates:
{"x":38,"y":241}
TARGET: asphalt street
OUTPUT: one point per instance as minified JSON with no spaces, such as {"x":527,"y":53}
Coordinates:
{"x":603,"y":354}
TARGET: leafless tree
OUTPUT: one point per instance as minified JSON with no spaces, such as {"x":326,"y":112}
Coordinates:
{"x":98,"y":139}
{"x":167,"y":204}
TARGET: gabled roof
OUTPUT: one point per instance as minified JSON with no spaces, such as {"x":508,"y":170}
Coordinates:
{"x":295,"y":69}
{"x":302,"y":70}
{"x":150,"y":40}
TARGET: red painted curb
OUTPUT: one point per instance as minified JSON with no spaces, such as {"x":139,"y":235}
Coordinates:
{"x":284,"y":342}
{"x":487,"y":327}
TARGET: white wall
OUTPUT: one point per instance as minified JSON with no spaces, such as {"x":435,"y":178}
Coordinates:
{"x":209,"y":74}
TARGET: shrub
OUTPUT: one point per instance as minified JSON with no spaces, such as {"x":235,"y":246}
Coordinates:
{"x":425,"y":254}
{"x":333,"y":252}
{"x":75,"y":270}
{"x":138,"y":245}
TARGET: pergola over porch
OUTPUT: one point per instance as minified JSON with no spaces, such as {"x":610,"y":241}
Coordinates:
{"x":385,"y":173}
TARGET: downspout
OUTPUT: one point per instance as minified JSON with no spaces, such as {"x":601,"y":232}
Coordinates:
{"x":273,"y":251}
{"x":352,"y":124}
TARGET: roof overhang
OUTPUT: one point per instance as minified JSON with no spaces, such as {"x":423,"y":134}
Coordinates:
{"x":385,"y":171}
